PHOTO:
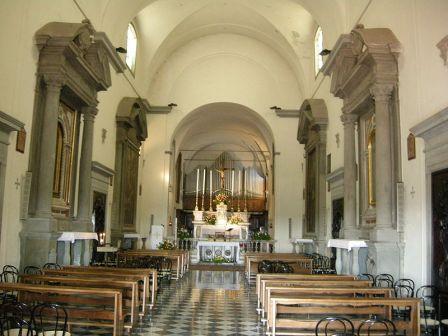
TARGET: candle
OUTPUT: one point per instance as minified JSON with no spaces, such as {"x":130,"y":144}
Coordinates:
{"x":197,"y":182}
{"x":245,"y":182}
{"x":211,"y":182}
{"x":203,"y":183}
{"x":233,"y":180}
{"x":239,"y":182}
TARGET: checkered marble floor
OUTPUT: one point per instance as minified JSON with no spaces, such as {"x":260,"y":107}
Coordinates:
{"x":203,"y":303}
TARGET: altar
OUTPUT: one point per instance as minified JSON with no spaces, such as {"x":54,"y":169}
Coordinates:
{"x":204,"y":230}
{"x":227,"y":251}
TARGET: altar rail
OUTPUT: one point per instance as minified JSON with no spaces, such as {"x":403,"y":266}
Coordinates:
{"x":268,"y":246}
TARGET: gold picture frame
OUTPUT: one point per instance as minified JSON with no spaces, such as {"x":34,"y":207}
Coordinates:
{"x":21,"y":140}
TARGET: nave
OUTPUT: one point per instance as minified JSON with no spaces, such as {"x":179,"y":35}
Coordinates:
{"x":204,"y":303}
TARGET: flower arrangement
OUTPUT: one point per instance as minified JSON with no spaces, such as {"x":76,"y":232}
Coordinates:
{"x":183,"y":233}
{"x":262,"y":236}
{"x":210,"y":219}
{"x":220,"y":260}
{"x":166,"y":245}
{"x":222,"y":198}
{"x":235,"y":219}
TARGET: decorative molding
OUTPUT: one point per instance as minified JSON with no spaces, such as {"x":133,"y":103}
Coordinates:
{"x":336,"y":175}
{"x":443,"y":46}
{"x":159,"y":109}
{"x":102,"y":169}
{"x":313,"y":116}
{"x":433,"y":126}
{"x":116,"y":61}
{"x":287,"y":113}
{"x":131,"y":113}
{"x":9,"y":124}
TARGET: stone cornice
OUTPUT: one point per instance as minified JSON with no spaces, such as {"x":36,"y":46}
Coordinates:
{"x":432,"y":126}
{"x":159,"y":109}
{"x":336,"y":175}
{"x":114,"y":58}
{"x":102,"y":169}
{"x":9,"y":124}
{"x":313,"y":115}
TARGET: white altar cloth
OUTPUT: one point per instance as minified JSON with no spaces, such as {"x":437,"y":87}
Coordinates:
{"x":206,"y":229}
{"x":346,"y":243}
{"x":72,"y":236}
{"x":303,"y":241}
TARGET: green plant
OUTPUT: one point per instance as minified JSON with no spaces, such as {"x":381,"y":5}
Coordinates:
{"x":220,"y":260}
{"x":262,"y":236}
{"x":165,"y":245}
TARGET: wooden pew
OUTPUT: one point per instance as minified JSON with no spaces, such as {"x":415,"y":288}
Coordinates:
{"x":327,"y":292}
{"x":300,"y":264}
{"x":92,"y":272}
{"x":180,"y":258}
{"x":85,"y":306}
{"x":129,"y":289}
{"x":310,"y":310}
{"x":152,"y":283}
{"x":288,"y":277}
{"x":311,"y":284}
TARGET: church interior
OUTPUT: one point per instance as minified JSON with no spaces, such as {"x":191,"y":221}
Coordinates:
{"x":224,"y":167}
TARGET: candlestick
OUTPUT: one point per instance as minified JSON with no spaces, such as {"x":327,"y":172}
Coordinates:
{"x":197,"y":189}
{"x":245,"y":190}
{"x":203,"y":190}
{"x":239,"y":189}
{"x":211,"y":190}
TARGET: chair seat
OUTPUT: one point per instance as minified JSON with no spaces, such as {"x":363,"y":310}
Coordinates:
{"x":16,"y":332}
{"x":444,"y":321}
{"x":430,"y":322}
{"x":53,"y":333}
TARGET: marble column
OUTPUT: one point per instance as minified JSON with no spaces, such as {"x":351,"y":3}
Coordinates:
{"x":349,"y":121}
{"x":383,"y":161}
{"x":85,"y":165}
{"x":44,"y":197}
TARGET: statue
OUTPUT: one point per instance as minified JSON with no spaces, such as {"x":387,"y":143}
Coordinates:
{"x":221,"y":175}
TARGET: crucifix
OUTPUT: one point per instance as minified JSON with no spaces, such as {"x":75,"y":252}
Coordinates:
{"x":221,"y":175}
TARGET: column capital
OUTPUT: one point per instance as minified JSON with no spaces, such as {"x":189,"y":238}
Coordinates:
{"x":89,"y":112}
{"x":54,"y":81}
{"x":381,"y":92}
{"x":348,"y":118}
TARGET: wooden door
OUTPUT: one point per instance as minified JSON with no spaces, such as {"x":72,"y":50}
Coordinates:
{"x":440,"y":230}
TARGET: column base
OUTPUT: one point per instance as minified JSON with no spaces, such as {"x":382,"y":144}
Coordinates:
{"x":384,"y":235}
{"x":384,"y":257}
{"x":38,"y":242}
{"x":352,"y":233}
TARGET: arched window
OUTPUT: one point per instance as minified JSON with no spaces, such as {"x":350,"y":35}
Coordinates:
{"x":318,"y":46}
{"x":131,"y":47}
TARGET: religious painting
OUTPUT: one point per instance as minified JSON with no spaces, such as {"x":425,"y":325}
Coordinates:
{"x":411,"y":147}
{"x":66,"y":135}
{"x":21,"y":140}
{"x":310,"y":194}
{"x":129,"y":186}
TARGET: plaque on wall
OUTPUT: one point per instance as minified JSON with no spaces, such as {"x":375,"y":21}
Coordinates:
{"x":21,"y":140}
{"x":411,"y":147}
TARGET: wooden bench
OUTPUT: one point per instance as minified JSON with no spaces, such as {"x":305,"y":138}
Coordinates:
{"x":85,"y":306}
{"x":327,"y":292}
{"x":300,"y":264}
{"x":311,"y":284}
{"x":180,"y":258}
{"x":129,"y":289}
{"x":91,"y":272}
{"x":308,"y":311}
{"x":288,"y":277}
{"x":151,"y":282}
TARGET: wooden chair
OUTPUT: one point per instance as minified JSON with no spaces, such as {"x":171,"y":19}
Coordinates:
{"x":384,"y":278}
{"x":406,"y":282}
{"x":341,"y":325}
{"x":402,"y":292}
{"x":10,"y":268}
{"x":377,"y":326}
{"x":50,"y":320}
